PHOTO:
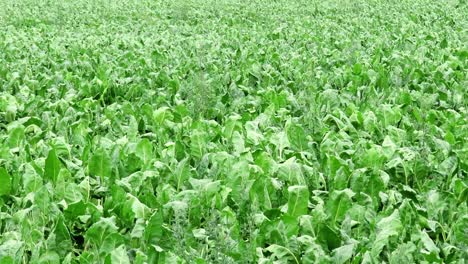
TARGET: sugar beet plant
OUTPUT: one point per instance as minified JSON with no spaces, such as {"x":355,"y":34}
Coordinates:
{"x":195,"y":131}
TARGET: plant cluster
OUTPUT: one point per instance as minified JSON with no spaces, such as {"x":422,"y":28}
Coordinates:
{"x":215,"y":131}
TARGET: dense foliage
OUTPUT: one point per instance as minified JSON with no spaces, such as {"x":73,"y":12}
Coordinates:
{"x":203,"y":131}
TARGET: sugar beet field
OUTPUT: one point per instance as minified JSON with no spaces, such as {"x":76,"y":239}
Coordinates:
{"x":217,"y":131}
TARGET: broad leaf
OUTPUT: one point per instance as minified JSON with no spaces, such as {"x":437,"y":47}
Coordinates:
{"x":298,"y":200}
{"x":5,"y":182}
{"x":386,"y":228}
{"x":52,"y":166}
{"x":144,"y":150}
{"x":338,"y":204}
{"x":100,"y":164}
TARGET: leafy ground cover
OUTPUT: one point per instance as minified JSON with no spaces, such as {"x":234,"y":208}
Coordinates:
{"x":233,"y":131}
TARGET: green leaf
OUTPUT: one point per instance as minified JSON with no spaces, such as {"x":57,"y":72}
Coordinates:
{"x":119,"y":256}
{"x":197,"y":144}
{"x":74,"y":210}
{"x":49,"y":257}
{"x":138,"y":228}
{"x":104,"y":235}
{"x":154,"y":230}
{"x":52,"y":166}
{"x":444,"y":43}
{"x":339,"y":204}
{"x":254,"y":136}
{"x":329,"y":236}
{"x":280,"y":141}
{"x":314,"y":253}
{"x":5,"y":182}
{"x":448,"y":166}
{"x":403,"y":254}
{"x":343,"y":253}
{"x":260,"y":193}
{"x":430,"y":250}
{"x":161,"y":114}
{"x":282,"y":254}
{"x":373,"y":158}
{"x":138,"y":209}
{"x":297,"y":137}
{"x":62,"y":237}
{"x":357,"y":68}
{"x":298,"y":200}
{"x":16,"y":136}
{"x":374,"y":186}
{"x":100,"y":164}
{"x":386,"y":228}
{"x":388,"y":147}
{"x":291,"y":172}
{"x":144,"y":150}
{"x":42,"y":199}
{"x":238,"y":143}
{"x":182,"y":173}
{"x":11,"y":248}
{"x":6,"y":260}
